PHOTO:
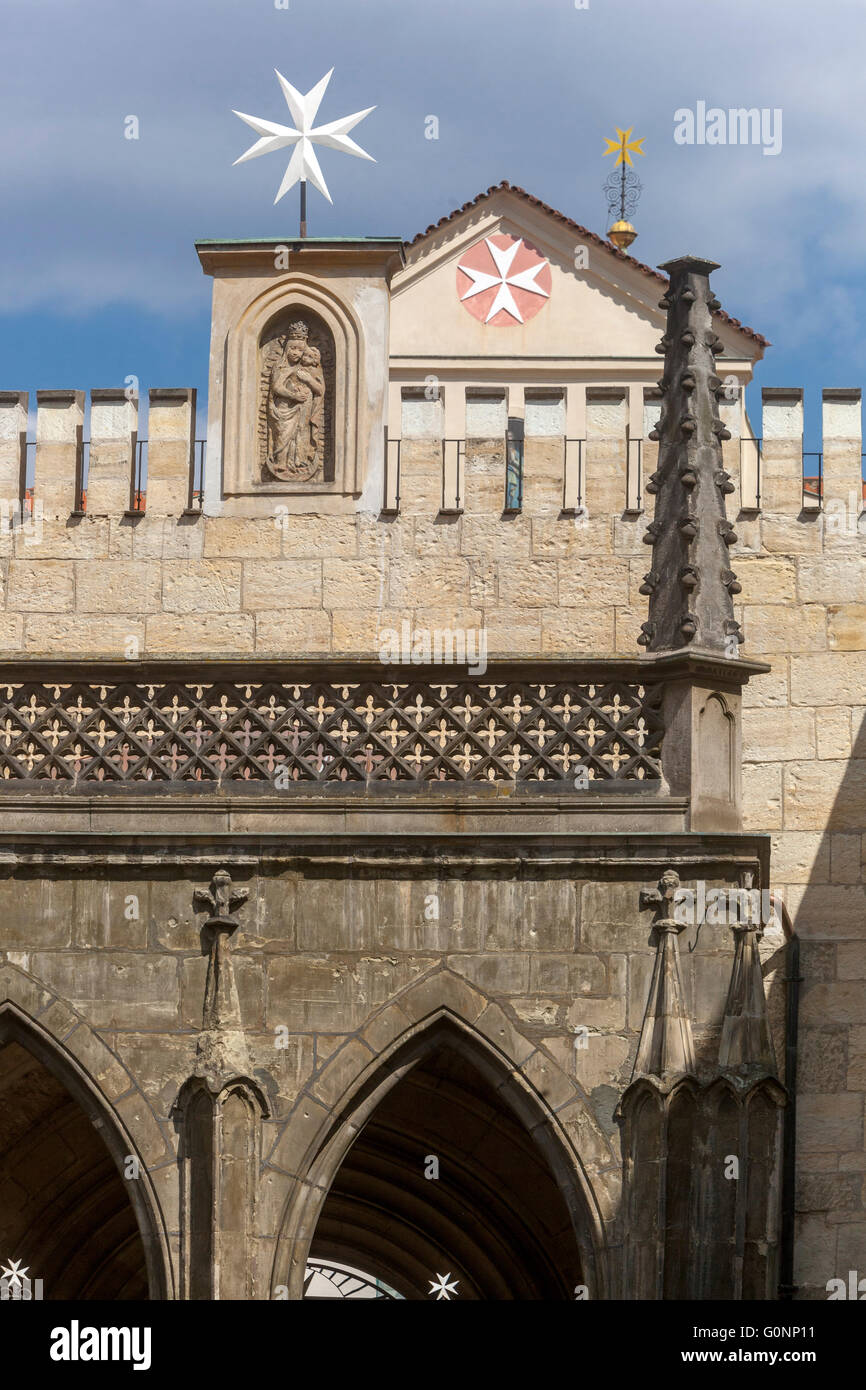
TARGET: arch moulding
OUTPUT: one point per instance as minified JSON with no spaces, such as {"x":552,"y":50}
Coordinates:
{"x":294,"y":293}
{"x":328,"y":1116}
{"x":28,"y":1015}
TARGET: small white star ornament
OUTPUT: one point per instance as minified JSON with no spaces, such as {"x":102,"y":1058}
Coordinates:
{"x":441,"y":1287}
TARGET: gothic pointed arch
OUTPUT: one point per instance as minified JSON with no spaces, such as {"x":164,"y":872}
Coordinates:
{"x":441,"y":1074}
{"x":93,"y":1226}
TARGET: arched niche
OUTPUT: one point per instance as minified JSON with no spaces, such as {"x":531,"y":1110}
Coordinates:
{"x":335,"y":332}
{"x":364,"y":1197}
{"x":716,"y":768}
{"x":78,"y":1204}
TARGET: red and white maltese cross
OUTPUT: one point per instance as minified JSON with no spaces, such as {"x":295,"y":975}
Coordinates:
{"x":503,"y":281}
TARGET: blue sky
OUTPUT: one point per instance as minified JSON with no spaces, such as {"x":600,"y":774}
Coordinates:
{"x":98,"y":275}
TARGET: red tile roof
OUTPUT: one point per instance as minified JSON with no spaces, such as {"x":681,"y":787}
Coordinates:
{"x":582,"y":232}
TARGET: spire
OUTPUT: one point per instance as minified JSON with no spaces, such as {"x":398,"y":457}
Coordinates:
{"x":746,"y":1042}
{"x":690,"y":584}
{"x":665,"y":1045}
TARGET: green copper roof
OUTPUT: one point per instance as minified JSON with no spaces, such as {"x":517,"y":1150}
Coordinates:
{"x":295,"y":240}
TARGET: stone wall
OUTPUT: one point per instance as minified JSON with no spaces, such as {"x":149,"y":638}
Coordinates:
{"x":804,"y":611}
{"x":106,"y":583}
{"x":540,"y":582}
{"x":333,"y":962}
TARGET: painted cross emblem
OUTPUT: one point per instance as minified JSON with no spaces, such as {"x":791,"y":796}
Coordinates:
{"x":503,"y":280}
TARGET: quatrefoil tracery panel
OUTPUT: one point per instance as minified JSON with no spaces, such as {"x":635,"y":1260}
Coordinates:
{"x":371,"y":732}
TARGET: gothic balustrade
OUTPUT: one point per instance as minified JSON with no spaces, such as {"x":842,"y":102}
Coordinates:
{"x":374,"y":729}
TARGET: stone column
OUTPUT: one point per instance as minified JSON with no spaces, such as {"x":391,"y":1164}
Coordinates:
{"x":220,"y":1109}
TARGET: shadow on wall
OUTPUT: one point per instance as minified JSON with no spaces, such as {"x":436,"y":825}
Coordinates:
{"x":829,"y":917}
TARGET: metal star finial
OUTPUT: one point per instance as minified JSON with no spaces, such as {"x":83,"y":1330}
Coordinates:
{"x":301,"y":137}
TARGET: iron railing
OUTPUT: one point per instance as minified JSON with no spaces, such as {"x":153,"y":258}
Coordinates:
{"x":453,"y":503}
{"x":391,"y":499}
{"x":751,"y":502}
{"x":813,"y":484}
{"x":514,"y":456}
{"x":568,"y":462}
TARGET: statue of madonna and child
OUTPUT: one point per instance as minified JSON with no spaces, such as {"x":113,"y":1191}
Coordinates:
{"x":295,"y":408}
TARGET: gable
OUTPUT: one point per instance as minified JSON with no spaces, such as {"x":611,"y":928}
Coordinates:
{"x":594,"y":303}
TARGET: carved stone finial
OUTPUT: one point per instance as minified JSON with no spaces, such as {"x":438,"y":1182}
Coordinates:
{"x":746,"y":1043}
{"x":689,"y":533}
{"x":665,"y":1046}
{"x":222,"y":1049}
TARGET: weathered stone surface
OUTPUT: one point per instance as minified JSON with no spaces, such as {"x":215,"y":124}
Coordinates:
{"x":282,"y":583}
{"x":202,"y":586}
{"x":45,"y":586}
{"x":324,"y":993}
{"x":762,"y":796}
{"x":833,"y":732}
{"x":846,"y":627}
{"x":768,"y":581}
{"x":570,"y":976}
{"x":593,"y":583}
{"x":778,"y":735}
{"x":822,"y":1060}
{"x":828,"y":679}
{"x":113,"y":990}
{"x":531,"y":584}
{"x":244,"y":537}
{"x":413,"y":583}
{"x":354,"y":584}
{"x":782,"y":627}
{"x":117,"y":586}
{"x":312,"y":537}
{"x":825,"y":794}
{"x":571,"y":631}
{"x":303,"y":630}
{"x":204,"y":633}
{"x":85,"y":635}
{"x":610,"y":918}
{"x":832,"y":579}
{"x":829,"y":1122}
{"x":800,"y":857}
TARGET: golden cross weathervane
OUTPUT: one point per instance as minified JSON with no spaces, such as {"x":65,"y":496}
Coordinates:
{"x":624,"y":190}
{"x":625,"y":145}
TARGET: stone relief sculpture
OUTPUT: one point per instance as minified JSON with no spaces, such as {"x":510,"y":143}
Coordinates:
{"x":294,"y":391}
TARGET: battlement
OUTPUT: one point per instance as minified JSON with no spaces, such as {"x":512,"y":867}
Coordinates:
{"x":68,"y":473}
{"x":516,"y":511}
{"x":601,"y":432}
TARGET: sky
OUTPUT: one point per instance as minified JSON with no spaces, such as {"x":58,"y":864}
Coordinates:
{"x":99,"y":279}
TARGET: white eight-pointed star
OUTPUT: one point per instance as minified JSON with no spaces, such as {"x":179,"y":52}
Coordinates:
{"x":441,"y":1287}
{"x":301,"y":137}
{"x":14,"y":1273}
{"x":503,"y":299}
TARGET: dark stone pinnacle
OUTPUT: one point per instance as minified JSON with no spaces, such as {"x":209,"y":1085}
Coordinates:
{"x":690,"y":583}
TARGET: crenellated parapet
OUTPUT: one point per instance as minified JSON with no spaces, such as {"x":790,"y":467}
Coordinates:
{"x":108,"y":546}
